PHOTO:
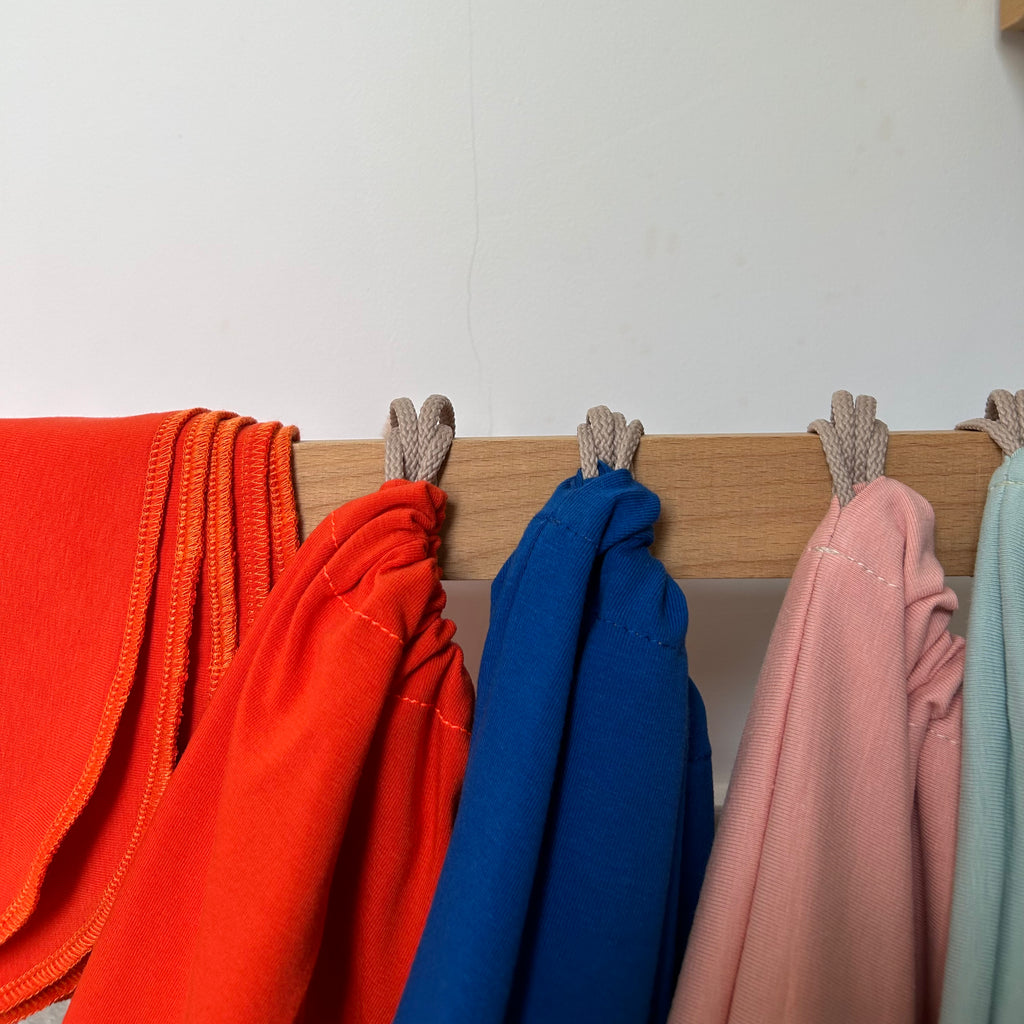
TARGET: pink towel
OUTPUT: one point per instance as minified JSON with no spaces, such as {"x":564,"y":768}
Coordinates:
{"x":828,"y":891}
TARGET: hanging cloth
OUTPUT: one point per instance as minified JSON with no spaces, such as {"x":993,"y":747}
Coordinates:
{"x":289,"y":869}
{"x":828,"y":890}
{"x":587,"y":811}
{"x":985,"y":969}
{"x":109,"y":550}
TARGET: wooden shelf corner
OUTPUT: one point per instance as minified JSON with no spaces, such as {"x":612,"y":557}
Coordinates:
{"x":1011,"y":15}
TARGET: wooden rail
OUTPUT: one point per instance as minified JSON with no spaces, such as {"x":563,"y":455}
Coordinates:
{"x":733,"y":506}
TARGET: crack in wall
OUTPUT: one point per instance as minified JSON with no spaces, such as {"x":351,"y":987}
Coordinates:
{"x":476,"y":219}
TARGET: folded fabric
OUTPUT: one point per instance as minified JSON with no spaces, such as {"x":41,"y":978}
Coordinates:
{"x":985,"y":968}
{"x":117,"y":617}
{"x":587,"y":812}
{"x":828,"y":890}
{"x":289,"y":868}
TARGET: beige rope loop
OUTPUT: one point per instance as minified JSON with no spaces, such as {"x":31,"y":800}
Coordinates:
{"x":863,"y":418}
{"x":1003,"y":420}
{"x":627,"y":443}
{"x":400,"y":435}
{"x":832,"y":433}
{"x":437,"y":431}
{"x":608,"y":438}
{"x":416,"y":446}
{"x":854,"y":442}
{"x":588,"y":451}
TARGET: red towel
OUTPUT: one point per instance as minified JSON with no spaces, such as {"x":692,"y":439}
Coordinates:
{"x":288,"y":872}
{"x":116,"y":615}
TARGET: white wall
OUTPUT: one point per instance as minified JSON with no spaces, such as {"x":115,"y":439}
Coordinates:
{"x":708,"y":216}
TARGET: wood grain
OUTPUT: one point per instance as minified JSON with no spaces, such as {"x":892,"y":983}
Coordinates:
{"x":1011,"y":14}
{"x":733,"y":506}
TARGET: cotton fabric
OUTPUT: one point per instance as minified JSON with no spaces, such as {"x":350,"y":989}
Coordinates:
{"x":288,"y":871}
{"x":587,"y":811}
{"x":118,"y":574}
{"x":828,"y":890}
{"x":985,"y":971}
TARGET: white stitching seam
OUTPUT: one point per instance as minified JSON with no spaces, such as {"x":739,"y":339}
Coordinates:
{"x":870,"y":572}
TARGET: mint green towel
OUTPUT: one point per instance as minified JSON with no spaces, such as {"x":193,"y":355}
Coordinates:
{"x":984,"y":979}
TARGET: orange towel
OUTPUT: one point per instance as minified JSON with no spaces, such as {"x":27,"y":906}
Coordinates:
{"x":115,"y":618}
{"x":288,"y":872}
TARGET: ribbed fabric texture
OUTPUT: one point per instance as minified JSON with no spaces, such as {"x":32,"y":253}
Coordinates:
{"x":288,"y":871}
{"x":587,"y":812}
{"x":117,"y":615}
{"x":985,"y":968}
{"x":828,"y":891}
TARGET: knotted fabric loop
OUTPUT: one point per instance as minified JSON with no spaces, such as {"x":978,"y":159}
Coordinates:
{"x":854,"y":441}
{"x":416,"y":447}
{"x":1003,"y":420}
{"x":608,"y":438}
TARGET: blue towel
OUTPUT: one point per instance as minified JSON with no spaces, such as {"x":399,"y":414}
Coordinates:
{"x":984,"y":982}
{"x":586,"y":816}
